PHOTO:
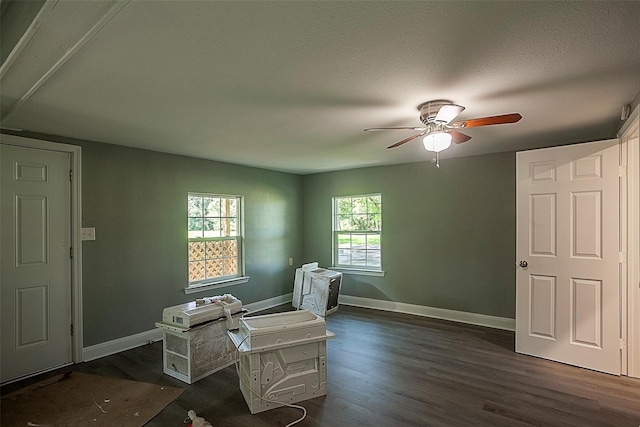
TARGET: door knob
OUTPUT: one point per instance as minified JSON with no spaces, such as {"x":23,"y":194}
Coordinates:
{"x":523,"y":264}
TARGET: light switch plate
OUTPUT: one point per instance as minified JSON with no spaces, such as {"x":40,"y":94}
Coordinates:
{"x":88,"y":233}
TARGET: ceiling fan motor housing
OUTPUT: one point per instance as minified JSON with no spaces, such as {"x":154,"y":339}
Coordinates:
{"x":429,"y":110}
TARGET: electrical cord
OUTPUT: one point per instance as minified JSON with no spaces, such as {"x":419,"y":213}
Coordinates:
{"x":290,"y":405}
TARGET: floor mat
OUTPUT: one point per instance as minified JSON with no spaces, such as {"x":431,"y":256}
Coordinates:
{"x":77,"y":399}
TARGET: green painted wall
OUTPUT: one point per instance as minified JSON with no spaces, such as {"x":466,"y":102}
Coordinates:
{"x":448,"y":234}
{"x":137,"y":201}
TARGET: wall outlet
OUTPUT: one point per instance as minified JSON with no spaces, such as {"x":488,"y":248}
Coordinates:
{"x":290,"y":261}
{"x":88,"y":233}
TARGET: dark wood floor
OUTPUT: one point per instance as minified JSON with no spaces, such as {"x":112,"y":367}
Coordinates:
{"x":390,"y":369}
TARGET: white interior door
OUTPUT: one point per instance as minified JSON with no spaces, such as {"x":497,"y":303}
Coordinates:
{"x":35,"y":286}
{"x":568,"y":286}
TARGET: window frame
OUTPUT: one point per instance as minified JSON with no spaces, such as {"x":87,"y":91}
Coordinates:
{"x":335,"y":249}
{"x":227,"y":280}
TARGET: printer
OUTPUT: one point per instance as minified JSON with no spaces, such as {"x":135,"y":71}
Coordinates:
{"x":202,"y":310}
{"x":194,"y":336}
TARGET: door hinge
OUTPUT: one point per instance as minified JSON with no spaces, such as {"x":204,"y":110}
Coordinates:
{"x":622,"y":257}
{"x":622,"y":171}
{"x":623,"y":344}
{"x":71,"y":175}
{"x":71,"y":252}
{"x":72,"y":329}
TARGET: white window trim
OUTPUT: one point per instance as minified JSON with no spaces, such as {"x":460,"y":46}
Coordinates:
{"x":216,"y":283}
{"x":359,"y":271}
{"x":362,"y":271}
{"x":201,"y":287}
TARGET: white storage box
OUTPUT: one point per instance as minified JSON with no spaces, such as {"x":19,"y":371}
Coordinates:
{"x":192,"y":354}
{"x":200,"y":311}
{"x":316,"y":289}
{"x":283,"y":358}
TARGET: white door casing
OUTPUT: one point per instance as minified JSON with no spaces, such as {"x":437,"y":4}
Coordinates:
{"x":36,"y":264}
{"x":568,"y":287}
{"x":629,"y":136}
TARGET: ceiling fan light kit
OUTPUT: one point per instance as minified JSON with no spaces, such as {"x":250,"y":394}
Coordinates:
{"x":440,"y":130}
{"x":437,"y":142}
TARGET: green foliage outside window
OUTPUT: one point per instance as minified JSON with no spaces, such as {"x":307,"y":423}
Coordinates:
{"x":357,"y":230}
{"x":214,"y":241}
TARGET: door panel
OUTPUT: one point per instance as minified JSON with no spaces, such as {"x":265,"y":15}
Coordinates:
{"x":31,"y":230}
{"x":542,"y":294}
{"x":543,"y":224}
{"x":32,"y":308}
{"x":586,"y":316}
{"x":567,"y":293}
{"x":36,"y":265}
{"x":586,"y":221}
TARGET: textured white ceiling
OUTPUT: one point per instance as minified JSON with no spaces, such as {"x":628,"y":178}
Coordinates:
{"x":291,"y":85}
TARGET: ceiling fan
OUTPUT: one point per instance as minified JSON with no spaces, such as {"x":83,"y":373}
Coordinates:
{"x":440,"y":131}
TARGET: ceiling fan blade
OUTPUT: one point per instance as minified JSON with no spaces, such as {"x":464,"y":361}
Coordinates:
{"x":404,"y":141}
{"x":485,"y":121}
{"x":448,"y":112}
{"x":396,"y":128}
{"x":458,"y":137}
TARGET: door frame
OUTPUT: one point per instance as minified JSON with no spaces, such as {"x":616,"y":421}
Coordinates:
{"x":75,"y":153}
{"x":630,"y":243}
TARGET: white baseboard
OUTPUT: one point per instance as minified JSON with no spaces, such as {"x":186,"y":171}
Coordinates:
{"x":120,"y":344}
{"x":438,"y":313}
{"x":269,"y":303}
{"x":142,"y":338}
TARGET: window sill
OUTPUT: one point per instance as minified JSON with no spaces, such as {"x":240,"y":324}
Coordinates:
{"x":216,"y":285}
{"x":359,"y":272}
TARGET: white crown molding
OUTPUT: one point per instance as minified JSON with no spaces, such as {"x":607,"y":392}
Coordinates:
{"x":80,"y":42}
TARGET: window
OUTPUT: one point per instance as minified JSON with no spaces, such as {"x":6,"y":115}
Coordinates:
{"x":357,"y":225}
{"x":215,"y":241}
